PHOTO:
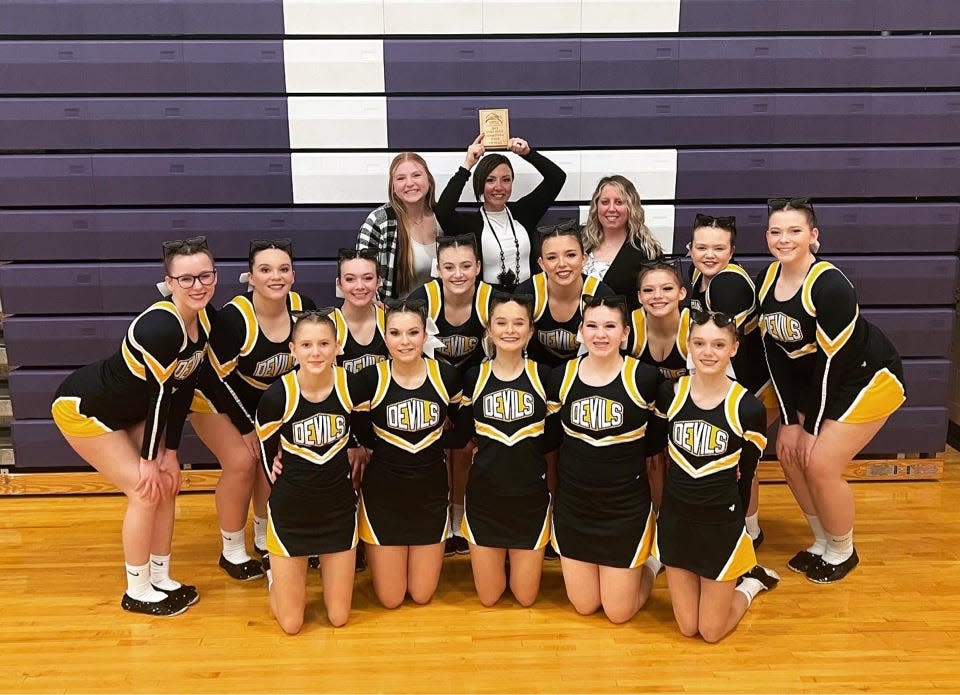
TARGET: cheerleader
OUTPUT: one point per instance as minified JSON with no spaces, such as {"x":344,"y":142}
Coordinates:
{"x":719,"y":284}
{"x":507,"y":510}
{"x":249,"y":350}
{"x":312,"y":508}
{"x":124,"y":416}
{"x":659,"y":338}
{"x":457,"y":303}
{"x":558,"y":294}
{"x":837,"y":380}
{"x":362,"y":336}
{"x":404,"y":493}
{"x":603,"y":521}
{"x":714,"y":430}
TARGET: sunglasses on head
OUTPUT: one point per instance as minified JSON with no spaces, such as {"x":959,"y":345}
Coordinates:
{"x":345,"y":254}
{"x":664,"y":262}
{"x":458,"y":240}
{"x":615,"y":301}
{"x":184,"y":246}
{"x":523,"y":299}
{"x":719,"y":319}
{"x":257,"y":245}
{"x":323,"y":312}
{"x":567,"y":227}
{"x":710,"y":221}
{"x":774,"y":204}
{"x":417,"y":305}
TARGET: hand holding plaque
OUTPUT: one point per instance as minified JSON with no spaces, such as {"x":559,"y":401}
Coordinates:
{"x":495,"y":128}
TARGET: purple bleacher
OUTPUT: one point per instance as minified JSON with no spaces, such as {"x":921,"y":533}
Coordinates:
{"x":143,"y":123}
{"x":38,"y":445}
{"x":126,"y":288}
{"x":452,"y":122}
{"x":192,"y":179}
{"x":140,"y":17}
{"x":32,"y":390}
{"x":142,"y":67}
{"x":608,"y":65}
{"x":41,"y":341}
{"x":822,"y":172}
{"x":879,"y":228}
{"x":67,"y":235}
{"x":46,"y":180}
{"x":718,"y":16}
{"x":940,"y":15}
{"x":493,"y":66}
{"x":888,"y":280}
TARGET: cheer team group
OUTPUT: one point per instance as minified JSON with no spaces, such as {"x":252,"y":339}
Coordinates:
{"x":493,"y":386}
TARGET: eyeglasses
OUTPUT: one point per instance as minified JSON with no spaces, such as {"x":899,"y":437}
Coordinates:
{"x":206,"y":278}
{"x":615,"y":301}
{"x":417,"y":305}
{"x":345,"y":254}
{"x":184,"y":246}
{"x":720,"y":319}
{"x":323,"y":313}
{"x":774,"y":204}
{"x":710,"y":221}
{"x":565,"y":228}
{"x":458,"y":240}
{"x":257,"y":245}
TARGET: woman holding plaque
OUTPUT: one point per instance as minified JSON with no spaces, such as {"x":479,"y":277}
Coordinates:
{"x":404,"y":230}
{"x":503,"y":228}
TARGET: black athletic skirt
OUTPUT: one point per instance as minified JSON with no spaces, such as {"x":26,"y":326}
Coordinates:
{"x":495,"y":520}
{"x":404,"y":506}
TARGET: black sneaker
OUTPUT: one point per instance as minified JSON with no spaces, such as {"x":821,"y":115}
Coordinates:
{"x":265,"y":562}
{"x":450,"y":546}
{"x":460,"y":545}
{"x":244,"y":571}
{"x":802,"y":561}
{"x":549,"y":553}
{"x":822,"y":572}
{"x":313,"y":562}
{"x":260,"y":551}
{"x":765,"y":576}
{"x":187,"y":593}
{"x":758,"y":541}
{"x":361,"y":561}
{"x":166,"y":608}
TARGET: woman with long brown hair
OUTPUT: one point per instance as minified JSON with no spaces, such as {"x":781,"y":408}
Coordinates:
{"x":404,"y":230}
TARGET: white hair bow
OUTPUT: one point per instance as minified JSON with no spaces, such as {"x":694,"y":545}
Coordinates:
{"x":163,"y":289}
{"x":432,"y":343}
{"x":245,"y":278}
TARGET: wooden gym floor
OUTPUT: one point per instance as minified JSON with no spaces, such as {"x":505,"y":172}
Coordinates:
{"x":892,"y":626}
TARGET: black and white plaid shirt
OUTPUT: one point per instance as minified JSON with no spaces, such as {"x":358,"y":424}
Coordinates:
{"x":379,"y":232}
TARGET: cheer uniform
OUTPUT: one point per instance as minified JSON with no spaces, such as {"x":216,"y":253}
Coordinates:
{"x":245,"y":362}
{"x":313,"y":507}
{"x":403,"y":499}
{"x":731,"y":291}
{"x":674,"y":365}
{"x":826,"y":361}
{"x":712,"y":456}
{"x":554,"y":342}
{"x":356,"y":356}
{"x":461,"y":344}
{"x":507,"y":504}
{"x":150,"y":379}
{"x":603,"y":512}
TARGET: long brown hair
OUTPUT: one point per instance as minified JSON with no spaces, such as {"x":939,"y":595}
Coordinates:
{"x":404,"y":270}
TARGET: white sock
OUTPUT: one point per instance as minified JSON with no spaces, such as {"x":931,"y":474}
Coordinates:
{"x":750,"y":587}
{"x":138,"y":584}
{"x":235,"y":546}
{"x":456,"y":518}
{"x":160,"y":573}
{"x":269,"y":579}
{"x":819,"y":535}
{"x":839,"y":548}
{"x":654,"y":565}
{"x":753,"y":525}
{"x":259,"y":531}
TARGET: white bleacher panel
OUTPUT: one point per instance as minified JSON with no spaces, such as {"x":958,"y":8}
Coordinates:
{"x":659,"y":220}
{"x":463,"y":17}
{"x":653,"y":172}
{"x":360,"y":178}
{"x":620,"y":16}
{"x":337,"y":122}
{"x":529,"y":17}
{"x":325,"y":66}
{"x":332,"y":17}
